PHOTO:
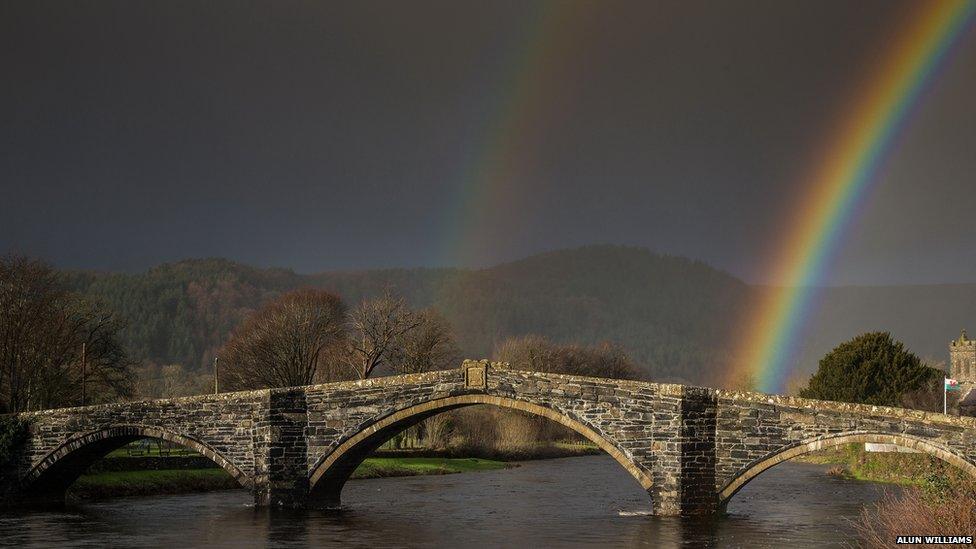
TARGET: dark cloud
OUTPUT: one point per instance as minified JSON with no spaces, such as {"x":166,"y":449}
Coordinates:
{"x":334,"y":135}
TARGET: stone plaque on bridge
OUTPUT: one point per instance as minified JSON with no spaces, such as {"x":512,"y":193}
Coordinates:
{"x":476,"y":374}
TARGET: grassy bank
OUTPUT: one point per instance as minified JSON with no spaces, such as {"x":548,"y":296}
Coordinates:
{"x":143,"y":483}
{"x":409,"y":466}
{"x":174,"y":481}
{"x":896,"y":468}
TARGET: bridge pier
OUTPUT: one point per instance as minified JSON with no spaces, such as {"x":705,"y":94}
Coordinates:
{"x":281,"y":451}
{"x":683,"y":452}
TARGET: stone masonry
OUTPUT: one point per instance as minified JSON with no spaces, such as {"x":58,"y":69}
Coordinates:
{"x":962,"y":368}
{"x":691,"y":448}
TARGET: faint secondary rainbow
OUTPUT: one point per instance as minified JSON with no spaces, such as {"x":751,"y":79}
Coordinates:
{"x":518,"y":105}
{"x":854,"y":154}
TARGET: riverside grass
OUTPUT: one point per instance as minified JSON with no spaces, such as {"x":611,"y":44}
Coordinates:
{"x":905,"y":469}
{"x":410,"y":466}
{"x":176,"y":481}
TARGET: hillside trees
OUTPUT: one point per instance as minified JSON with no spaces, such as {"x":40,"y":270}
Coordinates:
{"x":871,"y":368}
{"x":183,"y":312}
{"x":43,"y":331}
{"x":288,"y":342}
{"x":655,"y":306}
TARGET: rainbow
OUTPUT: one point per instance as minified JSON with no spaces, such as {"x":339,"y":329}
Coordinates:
{"x":853,"y":158}
{"x":520,"y":105}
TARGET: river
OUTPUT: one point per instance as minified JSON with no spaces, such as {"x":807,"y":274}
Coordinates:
{"x":573,"y":502}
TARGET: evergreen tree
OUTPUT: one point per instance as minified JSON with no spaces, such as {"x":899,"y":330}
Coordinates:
{"x":872,"y":368}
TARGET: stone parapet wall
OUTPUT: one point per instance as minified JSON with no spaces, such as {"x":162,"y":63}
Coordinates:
{"x":691,"y":448}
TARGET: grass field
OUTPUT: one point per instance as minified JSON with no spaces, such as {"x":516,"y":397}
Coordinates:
{"x":140,"y":483}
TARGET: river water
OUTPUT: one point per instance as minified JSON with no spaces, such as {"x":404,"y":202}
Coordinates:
{"x":573,"y":502}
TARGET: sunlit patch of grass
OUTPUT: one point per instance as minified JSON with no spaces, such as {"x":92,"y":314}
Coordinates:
{"x":909,"y":469}
{"x":410,"y":466}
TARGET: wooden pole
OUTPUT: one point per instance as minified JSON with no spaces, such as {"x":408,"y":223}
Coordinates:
{"x":945,"y":396}
{"x":84,"y":375}
{"x":216,"y":385}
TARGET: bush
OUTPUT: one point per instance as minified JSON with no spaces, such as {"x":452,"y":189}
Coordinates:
{"x":13,"y":433}
{"x":945,"y":507}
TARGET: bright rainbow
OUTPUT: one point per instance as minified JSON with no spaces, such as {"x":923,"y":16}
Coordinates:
{"x":853,"y":158}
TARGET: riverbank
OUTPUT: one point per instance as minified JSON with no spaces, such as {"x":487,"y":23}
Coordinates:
{"x":109,"y":481}
{"x":905,"y":469}
{"x":936,"y":497}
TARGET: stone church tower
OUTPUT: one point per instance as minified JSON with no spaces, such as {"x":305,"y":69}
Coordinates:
{"x":962,"y":367}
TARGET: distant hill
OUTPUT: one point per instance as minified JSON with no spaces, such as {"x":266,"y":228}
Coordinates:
{"x":676,"y":316}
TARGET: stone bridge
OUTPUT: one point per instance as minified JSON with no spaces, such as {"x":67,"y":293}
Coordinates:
{"x":691,"y":448}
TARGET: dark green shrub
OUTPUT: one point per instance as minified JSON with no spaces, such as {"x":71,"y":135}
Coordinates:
{"x":13,"y":433}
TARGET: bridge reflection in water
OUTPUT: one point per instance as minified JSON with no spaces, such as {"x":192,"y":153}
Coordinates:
{"x":690,"y":448}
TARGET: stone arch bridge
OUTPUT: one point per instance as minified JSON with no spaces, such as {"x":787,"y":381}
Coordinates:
{"x":691,"y":448}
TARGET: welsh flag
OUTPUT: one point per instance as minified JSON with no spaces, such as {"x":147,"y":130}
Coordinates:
{"x":951,"y":385}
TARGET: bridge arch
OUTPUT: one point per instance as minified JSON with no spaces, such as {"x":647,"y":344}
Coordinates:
{"x":330,"y":474}
{"x":819,"y":443}
{"x":50,"y":476}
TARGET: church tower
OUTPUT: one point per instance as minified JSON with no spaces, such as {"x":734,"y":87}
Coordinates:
{"x":962,"y":367}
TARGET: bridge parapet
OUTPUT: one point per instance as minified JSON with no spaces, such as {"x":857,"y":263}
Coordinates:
{"x":691,"y":448}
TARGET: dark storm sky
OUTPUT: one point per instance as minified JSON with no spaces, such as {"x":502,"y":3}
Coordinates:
{"x":317,"y":135}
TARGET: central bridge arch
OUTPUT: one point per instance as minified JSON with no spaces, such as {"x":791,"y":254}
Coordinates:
{"x":820,"y":443}
{"x":49,"y":478}
{"x":330,"y":474}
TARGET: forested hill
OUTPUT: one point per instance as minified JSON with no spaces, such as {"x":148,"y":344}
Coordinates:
{"x":667,"y":311}
{"x":676,"y":316}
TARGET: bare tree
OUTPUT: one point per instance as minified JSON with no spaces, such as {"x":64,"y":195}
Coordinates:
{"x":428,"y":346}
{"x":604,"y":359}
{"x":171,"y":380}
{"x":377,"y":326}
{"x":531,"y":352}
{"x":929,"y":396}
{"x":289,"y":342}
{"x":43,"y":330}
{"x":538,"y":354}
